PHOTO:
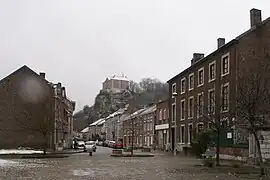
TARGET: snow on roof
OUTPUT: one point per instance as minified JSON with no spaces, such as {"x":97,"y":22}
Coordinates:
{"x":118,"y":112}
{"x":101,"y":122}
{"x":149,"y":110}
{"x":122,"y":77}
{"x":96,"y":122}
{"x":85,"y":130}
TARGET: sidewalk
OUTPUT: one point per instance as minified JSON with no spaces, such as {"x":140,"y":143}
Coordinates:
{"x":68,"y":151}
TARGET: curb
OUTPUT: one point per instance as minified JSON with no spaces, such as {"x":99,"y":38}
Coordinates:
{"x":72,"y":152}
{"x":134,"y":155}
{"x":43,"y":156}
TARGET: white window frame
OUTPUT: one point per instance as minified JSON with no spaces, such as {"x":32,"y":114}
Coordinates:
{"x":221,"y":97}
{"x":164,"y":113}
{"x":208,"y":100}
{"x":190,"y":117}
{"x":183,"y":79}
{"x":182,"y":119}
{"x":173,"y":118}
{"x":174,"y":85}
{"x":160,"y":114}
{"x":189,"y":132}
{"x":209,"y":74}
{"x":191,"y":88}
{"x":198,"y":125}
{"x":182,"y":142}
{"x":201,"y":69}
{"x":200,"y":94}
{"x":221,"y":70}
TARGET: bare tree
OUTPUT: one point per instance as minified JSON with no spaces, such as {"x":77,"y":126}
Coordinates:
{"x":253,"y":100}
{"x":132,"y":119}
{"x":211,"y":115}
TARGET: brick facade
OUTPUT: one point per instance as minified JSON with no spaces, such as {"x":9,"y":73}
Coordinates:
{"x":212,"y":75}
{"x":162,"y":124}
{"x":28,"y":107}
{"x":140,"y":127}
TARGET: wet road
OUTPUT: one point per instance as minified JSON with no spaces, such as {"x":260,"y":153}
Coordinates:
{"x":102,"y":166}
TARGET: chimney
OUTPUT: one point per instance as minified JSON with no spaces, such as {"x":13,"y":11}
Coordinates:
{"x":255,"y":17}
{"x":59,"y":90}
{"x":63,"y":92}
{"x":42,"y":74}
{"x":220,"y":42}
{"x":196,"y":57}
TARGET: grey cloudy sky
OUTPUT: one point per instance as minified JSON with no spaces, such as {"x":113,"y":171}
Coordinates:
{"x":81,"y":42}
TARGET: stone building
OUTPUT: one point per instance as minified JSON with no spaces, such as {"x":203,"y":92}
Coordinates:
{"x":116,"y":83}
{"x":34,"y":111}
{"x":211,"y":83}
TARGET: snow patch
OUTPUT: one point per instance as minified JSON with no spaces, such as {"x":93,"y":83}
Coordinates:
{"x":81,"y":172}
{"x":19,"y":151}
{"x":6,"y":162}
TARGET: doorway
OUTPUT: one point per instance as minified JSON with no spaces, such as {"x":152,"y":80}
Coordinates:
{"x":172,"y":135}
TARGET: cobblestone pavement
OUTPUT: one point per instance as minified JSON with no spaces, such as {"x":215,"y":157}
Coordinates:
{"x":102,"y":166}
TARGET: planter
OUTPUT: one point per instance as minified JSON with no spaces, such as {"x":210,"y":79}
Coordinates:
{"x":146,"y":149}
{"x":117,"y":151}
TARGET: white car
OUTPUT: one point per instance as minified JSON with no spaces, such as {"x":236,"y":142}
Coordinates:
{"x":90,"y":146}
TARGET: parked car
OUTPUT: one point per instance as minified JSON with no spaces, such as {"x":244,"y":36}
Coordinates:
{"x":106,"y":143}
{"x":79,"y":144}
{"x":91,"y":144}
{"x":119,"y":145}
{"x":112,"y":144}
{"x":100,"y":143}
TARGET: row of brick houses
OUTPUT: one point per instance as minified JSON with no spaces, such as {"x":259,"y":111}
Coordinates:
{"x":139,"y":127}
{"x":211,"y":81}
{"x":30,"y":106}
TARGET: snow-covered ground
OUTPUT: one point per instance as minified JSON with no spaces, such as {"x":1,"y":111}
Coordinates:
{"x":4,"y":162}
{"x":19,"y":151}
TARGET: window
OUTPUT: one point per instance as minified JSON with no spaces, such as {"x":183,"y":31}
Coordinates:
{"x":174,"y":88}
{"x":200,"y":105}
{"x":183,"y":85}
{"x":200,"y":77}
{"x":190,"y":133}
{"x":182,"y":109}
{"x":225,"y":97}
{"x":173,"y":113}
{"x":190,"y":107}
{"x":182,"y":134}
{"x":200,"y":127}
{"x":212,"y":71}
{"x":160,"y":114}
{"x":225,"y":64}
{"x":224,"y":122}
{"x":191,"y":81}
{"x":164,"y":114}
{"x":211,"y":101}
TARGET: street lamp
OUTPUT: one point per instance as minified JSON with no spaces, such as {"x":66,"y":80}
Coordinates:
{"x":174,"y":95}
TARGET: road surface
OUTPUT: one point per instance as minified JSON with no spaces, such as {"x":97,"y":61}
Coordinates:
{"x":101,"y":166}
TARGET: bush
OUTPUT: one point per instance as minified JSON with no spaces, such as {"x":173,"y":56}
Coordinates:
{"x":200,"y":142}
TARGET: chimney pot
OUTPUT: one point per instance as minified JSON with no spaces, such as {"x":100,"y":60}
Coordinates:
{"x":220,"y":42}
{"x":42,"y":74}
{"x":255,"y":17}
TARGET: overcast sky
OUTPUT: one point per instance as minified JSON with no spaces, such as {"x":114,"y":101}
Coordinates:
{"x":81,"y":42}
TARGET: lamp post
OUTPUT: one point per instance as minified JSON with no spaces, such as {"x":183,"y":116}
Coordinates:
{"x":174,"y":95}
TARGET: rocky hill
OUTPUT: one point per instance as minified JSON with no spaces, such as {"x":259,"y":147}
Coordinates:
{"x":147,"y":91}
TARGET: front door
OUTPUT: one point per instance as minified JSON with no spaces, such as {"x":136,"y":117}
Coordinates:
{"x":172,"y":135}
